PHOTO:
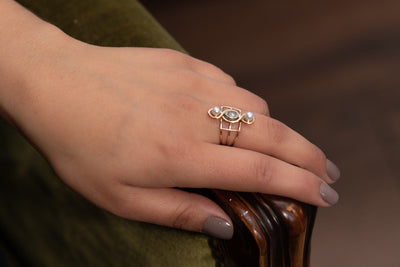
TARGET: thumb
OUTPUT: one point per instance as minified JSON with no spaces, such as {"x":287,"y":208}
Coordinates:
{"x":174,"y":208}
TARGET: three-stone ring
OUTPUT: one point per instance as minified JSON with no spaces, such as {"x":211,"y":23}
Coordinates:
{"x":230,"y":122}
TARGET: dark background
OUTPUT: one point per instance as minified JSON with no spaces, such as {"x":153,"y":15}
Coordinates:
{"x":330,"y":70}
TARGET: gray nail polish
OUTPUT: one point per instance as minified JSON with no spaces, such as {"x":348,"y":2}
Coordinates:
{"x":332,"y":170}
{"x":217,"y":227}
{"x":328,"y":194}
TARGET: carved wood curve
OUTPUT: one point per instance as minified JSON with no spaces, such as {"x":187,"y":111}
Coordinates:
{"x":270,"y":231}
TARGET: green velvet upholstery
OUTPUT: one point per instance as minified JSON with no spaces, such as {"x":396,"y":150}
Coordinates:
{"x":43,"y":222}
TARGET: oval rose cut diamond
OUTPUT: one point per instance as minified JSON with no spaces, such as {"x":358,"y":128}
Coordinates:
{"x":231,"y":115}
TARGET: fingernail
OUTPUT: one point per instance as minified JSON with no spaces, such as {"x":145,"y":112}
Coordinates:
{"x":328,"y":194}
{"x":217,"y":227}
{"x":332,"y":170}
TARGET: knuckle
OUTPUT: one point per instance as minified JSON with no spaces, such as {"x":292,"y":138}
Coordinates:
{"x":318,"y":158}
{"x":263,"y":107}
{"x":170,"y":52}
{"x":182,"y":216}
{"x":175,"y":56}
{"x":190,"y":81}
{"x":306,"y":183}
{"x":117,"y":204}
{"x":223,"y":76}
{"x":258,"y":104}
{"x":263,"y":172}
{"x":171,"y":157}
{"x":318,"y":155}
{"x":229,"y":79}
{"x":212,"y":71}
{"x":276,"y":130}
{"x":180,"y":151}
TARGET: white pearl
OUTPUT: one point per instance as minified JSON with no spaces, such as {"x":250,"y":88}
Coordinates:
{"x":249,"y":116}
{"x":216,"y":111}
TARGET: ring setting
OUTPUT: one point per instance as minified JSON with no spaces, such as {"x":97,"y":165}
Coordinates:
{"x":230,"y":122}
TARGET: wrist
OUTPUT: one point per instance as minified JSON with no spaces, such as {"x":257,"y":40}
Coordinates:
{"x":27,"y":45}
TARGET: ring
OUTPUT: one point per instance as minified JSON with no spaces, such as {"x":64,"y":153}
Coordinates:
{"x":230,"y":122}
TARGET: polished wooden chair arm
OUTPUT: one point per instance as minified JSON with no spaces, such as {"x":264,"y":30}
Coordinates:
{"x":270,"y":231}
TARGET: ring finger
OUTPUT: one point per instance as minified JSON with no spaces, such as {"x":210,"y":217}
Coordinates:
{"x":269,"y":136}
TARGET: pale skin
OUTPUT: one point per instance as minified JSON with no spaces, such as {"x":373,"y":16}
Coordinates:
{"x":127,"y":127}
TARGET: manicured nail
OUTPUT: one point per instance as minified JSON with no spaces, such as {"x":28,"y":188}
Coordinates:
{"x":332,"y":170}
{"x":328,"y":194}
{"x":217,"y":227}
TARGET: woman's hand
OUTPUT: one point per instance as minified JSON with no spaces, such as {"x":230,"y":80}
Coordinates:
{"x":128,"y":127}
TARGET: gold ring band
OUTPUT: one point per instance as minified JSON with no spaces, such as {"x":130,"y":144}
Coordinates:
{"x":230,"y":122}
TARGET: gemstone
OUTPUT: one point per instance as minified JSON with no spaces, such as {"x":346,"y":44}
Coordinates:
{"x":231,"y":115}
{"x":249,"y":116}
{"x":216,"y":111}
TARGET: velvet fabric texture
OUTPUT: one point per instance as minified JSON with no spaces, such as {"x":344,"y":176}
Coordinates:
{"x":42,"y":221}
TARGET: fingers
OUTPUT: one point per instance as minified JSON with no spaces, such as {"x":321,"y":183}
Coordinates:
{"x":173,"y":208}
{"x":272,"y":137}
{"x":267,"y":136}
{"x":236,"y":169}
{"x":274,"y":159}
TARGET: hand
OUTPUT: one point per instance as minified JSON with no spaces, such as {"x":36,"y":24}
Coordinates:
{"x":128,"y":127}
